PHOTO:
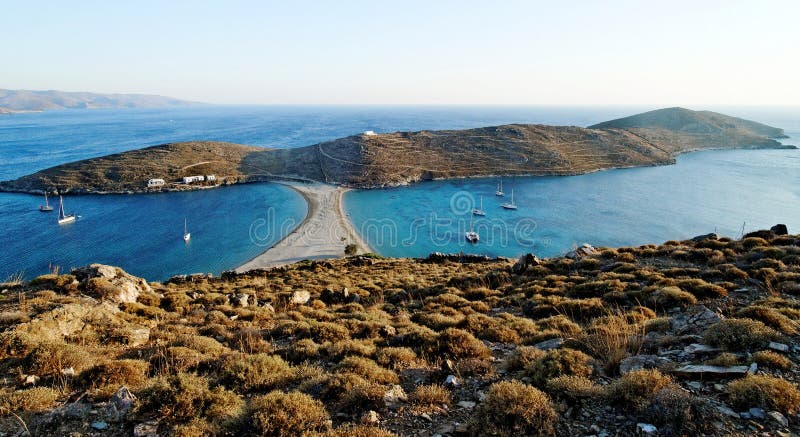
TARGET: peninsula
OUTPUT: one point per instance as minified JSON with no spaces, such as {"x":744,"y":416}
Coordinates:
{"x":12,"y":101}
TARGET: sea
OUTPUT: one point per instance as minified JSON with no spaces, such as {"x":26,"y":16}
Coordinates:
{"x":729,"y":192}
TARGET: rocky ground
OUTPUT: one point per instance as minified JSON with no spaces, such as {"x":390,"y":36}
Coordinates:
{"x":687,"y":337}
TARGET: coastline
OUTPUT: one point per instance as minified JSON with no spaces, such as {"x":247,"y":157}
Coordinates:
{"x":323,"y":233}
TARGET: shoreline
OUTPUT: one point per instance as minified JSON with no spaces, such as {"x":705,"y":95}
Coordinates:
{"x":323,"y":233}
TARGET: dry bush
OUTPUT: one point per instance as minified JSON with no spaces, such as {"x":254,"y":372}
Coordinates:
{"x":770,"y":317}
{"x":669,"y":297}
{"x":702,"y":289}
{"x":573,"y":388}
{"x":340,"y":349}
{"x":739,"y":334}
{"x":204,"y":345}
{"x":766,"y":392}
{"x":48,"y":359}
{"x":523,"y":357}
{"x":112,"y":374}
{"x":457,"y":343}
{"x":194,"y":428}
{"x":635,"y":389}
{"x":725,"y":359}
{"x":350,"y":430}
{"x":32,"y":399}
{"x":302,"y":350}
{"x":174,"y":359}
{"x":8,"y":318}
{"x":512,"y":408}
{"x":558,"y":362}
{"x":368,"y":369}
{"x":255,"y":372}
{"x":396,"y":358}
{"x":677,"y":412}
{"x":773,"y":360}
{"x":286,"y":414}
{"x":182,"y":397}
{"x":612,"y":338}
{"x":433,"y":395}
{"x":250,"y":341}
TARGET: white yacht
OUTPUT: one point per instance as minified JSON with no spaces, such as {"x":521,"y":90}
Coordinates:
{"x":46,"y":207}
{"x":186,"y":235}
{"x":499,"y":191}
{"x":510,"y":205}
{"x":479,"y":211}
{"x":62,"y":217}
{"x":471,"y":235}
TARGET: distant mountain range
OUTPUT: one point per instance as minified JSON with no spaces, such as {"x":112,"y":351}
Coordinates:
{"x":371,"y":160}
{"x":26,"y":101}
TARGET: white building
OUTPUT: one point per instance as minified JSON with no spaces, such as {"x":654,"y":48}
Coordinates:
{"x":211,"y":178}
{"x":155,"y":183}
{"x":190,"y":179}
{"x":370,"y":133}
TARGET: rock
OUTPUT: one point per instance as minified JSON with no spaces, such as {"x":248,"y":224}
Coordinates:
{"x":780,"y":229}
{"x":778,"y":417}
{"x":110,"y":283}
{"x":758,"y":413}
{"x":241,"y":300}
{"x":638,"y":362}
{"x":136,"y":336}
{"x":723,"y":409}
{"x":387,"y":331}
{"x":451,"y":381}
{"x":525,"y":261}
{"x":300,"y":297}
{"x":268,"y":306}
{"x":332,"y":297}
{"x":711,"y":236}
{"x":695,"y":319}
{"x":99,"y":425}
{"x":646,"y":429}
{"x":697,"y":385}
{"x":146,"y":429}
{"x":696,"y":348}
{"x":594,"y":428}
{"x":69,"y":371}
{"x":700,"y":369}
{"x":584,"y":250}
{"x":426,"y":416}
{"x":29,"y":379}
{"x":466,"y":404}
{"x":394,"y":397}
{"x":438,"y":257}
{"x":553,"y":343}
{"x":753,"y":368}
{"x":780,"y":347}
{"x":370,"y":418}
{"x":123,"y":399}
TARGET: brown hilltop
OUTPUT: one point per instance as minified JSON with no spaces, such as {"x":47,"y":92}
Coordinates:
{"x":368,"y":161}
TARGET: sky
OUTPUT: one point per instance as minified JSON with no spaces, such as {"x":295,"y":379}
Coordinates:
{"x":410,"y":52}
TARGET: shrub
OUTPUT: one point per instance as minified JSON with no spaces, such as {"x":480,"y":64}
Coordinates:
{"x":369,"y":369}
{"x":770,"y":317}
{"x":557,"y":362}
{"x":397,"y":358}
{"x":512,"y":408}
{"x":182,"y":397}
{"x":255,"y":372}
{"x":677,"y":412}
{"x":48,"y":359}
{"x":766,"y":392}
{"x":132,"y":373}
{"x":572,"y":388}
{"x":430,"y":395}
{"x":725,"y":359}
{"x":351,"y":249}
{"x":670,"y":297}
{"x":702,"y":289}
{"x":286,"y":414}
{"x":350,"y":430}
{"x":364,"y":348}
{"x":32,"y":399}
{"x":612,"y":338}
{"x":636,"y":388}
{"x":772,"y":359}
{"x":739,"y":334}
{"x":523,"y":357}
{"x":175,"y":359}
{"x":457,"y":343}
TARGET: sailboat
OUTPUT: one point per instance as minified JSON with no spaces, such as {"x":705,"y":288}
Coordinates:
{"x":510,"y":205}
{"x":63,"y":218}
{"x":499,"y":191}
{"x":186,"y":235}
{"x":479,"y":211}
{"x":471,"y":235}
{"x":46,"y":207}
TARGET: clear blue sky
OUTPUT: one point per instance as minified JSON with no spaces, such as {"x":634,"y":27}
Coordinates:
{"x":416,"y":52}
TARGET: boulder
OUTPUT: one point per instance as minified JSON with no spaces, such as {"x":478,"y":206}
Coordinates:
{"x":146,"y":429}
{"x":780,"y":229}
{"x":300,"y":297}
{"x":332,"y":297}
{"x":779,"y":418}
{"x":585,"y":249}
{"x":638,"y":362}
{"x":711,"y":236}
{"x":110,"y":283}
{"x":553,"y":343}
{"x":241,"y":300}
{"x":524,"y":262}
{"x":780,"y":347}
{"x":719,"y":371}
{"x":695,"y":320}
{"x":394,"y":397}
{"x":370,"y":418}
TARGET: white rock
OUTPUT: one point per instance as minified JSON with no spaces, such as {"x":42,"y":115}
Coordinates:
{"x":300,"y":297}
{"x":370,"y":418}
{"x":778,"y":417}
{"x":146,"y":429}
{"x":646,"y":429}
{"x":780,"y":347}
{"x":466,"y":404}
{"x":451,"y":381}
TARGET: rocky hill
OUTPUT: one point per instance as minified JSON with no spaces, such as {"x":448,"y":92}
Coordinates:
{"x":368,"y":161}
{"x":27,"y":100}
{"x":696,"y":337}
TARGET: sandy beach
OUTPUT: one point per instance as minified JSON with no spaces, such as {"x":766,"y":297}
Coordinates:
{"x":324,"y":232}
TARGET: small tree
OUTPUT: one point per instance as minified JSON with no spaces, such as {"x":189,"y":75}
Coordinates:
{"x":351,"y":249}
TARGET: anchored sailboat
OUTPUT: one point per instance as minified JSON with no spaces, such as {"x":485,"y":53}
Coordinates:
{"x":510,"y":205}
{"x":499,"y":191}
{"x":479,"y":211}
{"x":186,"y":235}
{"x":471,"y":235}
{"x":62,"y":217}
{"x":46,"y":207}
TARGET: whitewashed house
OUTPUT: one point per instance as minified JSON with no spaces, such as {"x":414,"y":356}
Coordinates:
{"x":190,"y":179}
{"x":211,"y":178}
{"x":155,"y":183}
{"x":370,"y":133}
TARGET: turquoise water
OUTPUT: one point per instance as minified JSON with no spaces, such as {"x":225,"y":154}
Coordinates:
{"x":705,"y":192}
{"x":142,"y":233}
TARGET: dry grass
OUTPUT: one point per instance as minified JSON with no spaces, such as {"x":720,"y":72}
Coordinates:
{"x":512,"y":408}
{"x":739,"y":334}
{"x":766,"y":392}
{"x":635,"y":389}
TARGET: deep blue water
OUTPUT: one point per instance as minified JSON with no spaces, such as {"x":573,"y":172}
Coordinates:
{"x":142,"y":233}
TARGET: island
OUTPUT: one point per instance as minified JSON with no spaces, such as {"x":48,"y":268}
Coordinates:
{"x":14,"y":101}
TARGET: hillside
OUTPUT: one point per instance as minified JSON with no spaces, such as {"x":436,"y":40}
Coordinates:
{"x":368,"y":161}
{"x":696,"y":337}
{"x":27,"y":100}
